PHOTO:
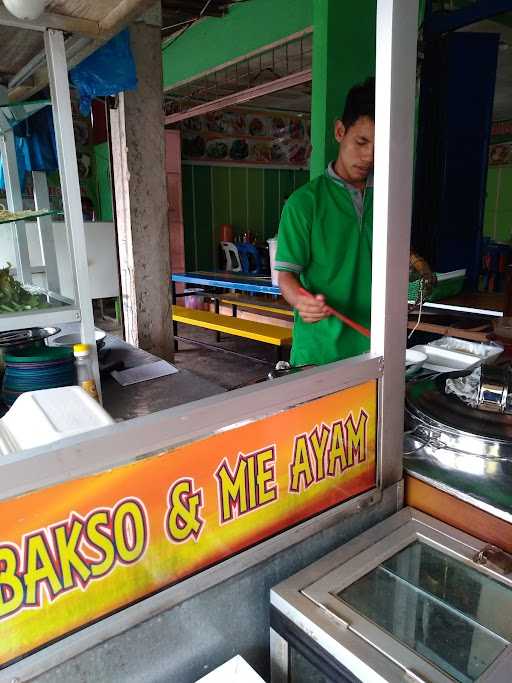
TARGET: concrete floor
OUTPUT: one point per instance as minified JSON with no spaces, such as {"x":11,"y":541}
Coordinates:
{"x":225,"y":369}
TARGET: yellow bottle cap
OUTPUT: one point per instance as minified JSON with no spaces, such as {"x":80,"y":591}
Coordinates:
{"x":81,"y":348}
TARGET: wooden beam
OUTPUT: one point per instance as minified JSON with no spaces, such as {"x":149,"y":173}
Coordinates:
{"x":242,"y":96}
{"x":476,"y":334}
{"x":124,"y":12}
{"x":40,"y":77}
{"x":60,"y":22}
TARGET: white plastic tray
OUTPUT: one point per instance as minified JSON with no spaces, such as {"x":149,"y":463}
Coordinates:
{"x":486,"y":352}
{"x":443,"y":360}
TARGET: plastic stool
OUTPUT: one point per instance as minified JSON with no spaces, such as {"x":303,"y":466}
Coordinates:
{"x":251,"y":259}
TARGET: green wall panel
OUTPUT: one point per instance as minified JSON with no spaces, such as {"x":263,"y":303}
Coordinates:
{"x":505,"y":194}
{"x":498,"y":204}
{"x":286,"y":186}
{"x":238,"y":199}
{"x":221,"y":209}
{"x":343,"y":54}
{"x":203,"y":217}
{"x":272,"y":207}
{"x":104,"y":208}
{"x":248,"y":198}
{"x":255,"y":203}
{"x":187,"y":176}
{"x":247,"y":27}
{"x":489,"y":223}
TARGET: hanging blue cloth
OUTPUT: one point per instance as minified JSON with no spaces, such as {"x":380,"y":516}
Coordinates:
{"x":22,"y":157}
{"x":36,"y":149}
{"x":108,"y":71}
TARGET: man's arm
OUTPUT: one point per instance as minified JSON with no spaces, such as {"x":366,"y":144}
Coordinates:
{"x":311,"y":310}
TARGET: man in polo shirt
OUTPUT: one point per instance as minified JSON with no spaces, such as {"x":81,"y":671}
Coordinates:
{"x":325,"y":242}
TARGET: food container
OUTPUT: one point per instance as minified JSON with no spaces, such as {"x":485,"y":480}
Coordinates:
{"x":272,"y":251}
{"x":69,"y":340}
{"x":486,"y":352}
{"x":414,"y":360}
{"x":444,"y":360}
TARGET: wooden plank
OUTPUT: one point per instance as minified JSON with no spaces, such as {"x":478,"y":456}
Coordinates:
{"x":123,"y":13}
{"x":269,"y":334}
{"x":60,"y":22}
{"x":261,"y":306}
{"x":458,"y":513}
{"x":443,"y":330}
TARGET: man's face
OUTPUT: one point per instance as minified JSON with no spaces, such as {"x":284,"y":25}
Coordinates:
{"x":355,"y":157}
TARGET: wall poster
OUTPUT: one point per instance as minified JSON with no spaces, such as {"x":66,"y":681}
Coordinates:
{"x":247,"y":137}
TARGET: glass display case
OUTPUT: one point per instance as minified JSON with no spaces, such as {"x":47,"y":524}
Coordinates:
{"x":44,"y":279}
{"x":411,"y":599}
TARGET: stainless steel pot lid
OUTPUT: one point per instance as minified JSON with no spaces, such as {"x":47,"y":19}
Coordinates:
{"x":447,"y":422}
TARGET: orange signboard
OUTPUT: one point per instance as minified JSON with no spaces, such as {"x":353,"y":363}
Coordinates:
{"x":78,"y":551}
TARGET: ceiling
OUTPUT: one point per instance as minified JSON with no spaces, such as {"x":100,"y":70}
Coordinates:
{"x":290,"y":58}
{"x":177,"y":14}
{"x":90,"y":24}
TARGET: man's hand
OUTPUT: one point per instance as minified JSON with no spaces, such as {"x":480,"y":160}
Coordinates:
{"x":311,"y":308}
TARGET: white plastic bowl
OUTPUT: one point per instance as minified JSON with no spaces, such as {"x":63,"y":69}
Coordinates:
{"x":74,"y":338}
{"x":414,"y":361}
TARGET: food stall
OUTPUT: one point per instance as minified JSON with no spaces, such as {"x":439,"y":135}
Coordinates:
{"x":124,"y":546}
{"x":146,"y":548}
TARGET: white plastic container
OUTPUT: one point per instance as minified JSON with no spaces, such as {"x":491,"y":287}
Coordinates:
{"x":272,"y":251}
{"x":236,"y":670}
{"x":444,"y":360}
{"x":42,"y":417}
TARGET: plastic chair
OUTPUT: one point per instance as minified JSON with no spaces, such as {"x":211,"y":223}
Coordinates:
{"x":232,"y":257}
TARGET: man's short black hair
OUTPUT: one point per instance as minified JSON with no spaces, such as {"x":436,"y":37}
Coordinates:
{"x":360,"y":102}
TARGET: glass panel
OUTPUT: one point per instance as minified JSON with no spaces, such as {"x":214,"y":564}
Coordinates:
{"x":28,"y":215}
{"x":451,"y":614}
{"x":49,"y":283}
{"x":302,"y":670}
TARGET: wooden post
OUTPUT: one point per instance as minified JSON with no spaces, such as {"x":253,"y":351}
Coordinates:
{"x":138,"y":151}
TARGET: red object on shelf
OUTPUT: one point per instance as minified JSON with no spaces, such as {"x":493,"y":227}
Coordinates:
{"x":226,"y":233}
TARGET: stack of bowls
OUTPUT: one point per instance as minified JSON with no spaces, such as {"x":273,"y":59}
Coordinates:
{"x":36,"y":368}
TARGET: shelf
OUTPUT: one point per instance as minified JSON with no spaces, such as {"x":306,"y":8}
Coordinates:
{"x":19,"y":111}
{"x":32,"y":217}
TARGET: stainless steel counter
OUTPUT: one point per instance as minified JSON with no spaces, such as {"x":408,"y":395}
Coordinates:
{"x":151,"y":396}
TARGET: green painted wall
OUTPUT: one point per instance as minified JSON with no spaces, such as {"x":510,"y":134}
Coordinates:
{"x":498,"y":205}
{"x":251,"y":199}
{"x":247,"y":27}
{"x":102,"y":179}
{"x":343,"y":54}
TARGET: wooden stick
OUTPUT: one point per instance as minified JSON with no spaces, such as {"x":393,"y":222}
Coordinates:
{"x":332,"y":311}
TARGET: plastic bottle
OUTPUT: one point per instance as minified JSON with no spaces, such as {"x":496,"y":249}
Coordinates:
{"x":84,"y":374}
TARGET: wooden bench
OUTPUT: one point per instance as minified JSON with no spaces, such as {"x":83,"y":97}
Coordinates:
{"x":257,"y":304}
{"x":248,"y":329}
